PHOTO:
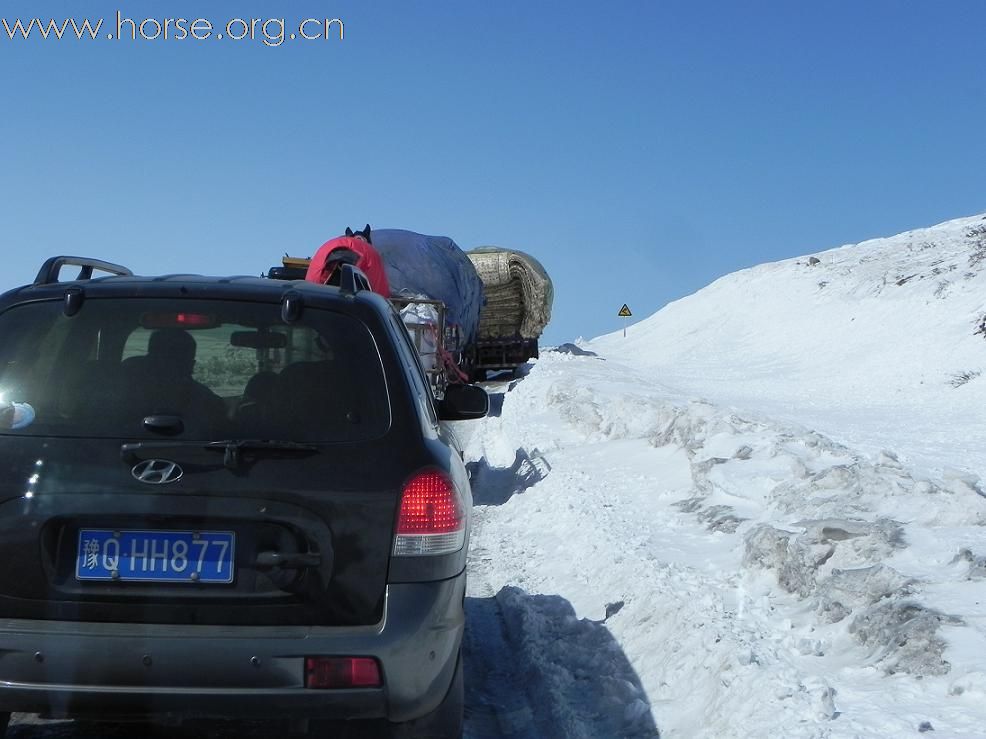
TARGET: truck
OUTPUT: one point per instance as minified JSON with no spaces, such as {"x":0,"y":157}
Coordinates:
{"x":434,"y":288}
{"x":519,"y":294}
{"x":467,"y":313}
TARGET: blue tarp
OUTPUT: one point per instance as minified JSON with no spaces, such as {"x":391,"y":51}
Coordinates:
{"x":436,"y":267}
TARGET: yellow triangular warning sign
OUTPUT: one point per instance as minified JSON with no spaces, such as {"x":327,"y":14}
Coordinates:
{"x":625,"y":311}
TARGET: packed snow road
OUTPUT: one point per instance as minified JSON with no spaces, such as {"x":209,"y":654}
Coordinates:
{"x":644,"y":564}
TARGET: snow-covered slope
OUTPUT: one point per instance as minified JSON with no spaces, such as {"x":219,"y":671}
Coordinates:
{"x":761,"y":514}
{"x":875,"y":344}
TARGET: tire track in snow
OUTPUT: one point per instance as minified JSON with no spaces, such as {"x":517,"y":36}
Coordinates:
{"x":497,"y":703}
{"x":496,"y":694}
{"x":533,"y":668}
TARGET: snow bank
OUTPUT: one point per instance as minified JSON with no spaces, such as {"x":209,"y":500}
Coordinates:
{"x":770,"y":581}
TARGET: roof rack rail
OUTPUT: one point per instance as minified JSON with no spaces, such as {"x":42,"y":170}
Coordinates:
{"x":52,"y":267}
{"x":352,"y":280}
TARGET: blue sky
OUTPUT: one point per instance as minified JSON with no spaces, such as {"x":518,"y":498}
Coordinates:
{"x":638,"y":149}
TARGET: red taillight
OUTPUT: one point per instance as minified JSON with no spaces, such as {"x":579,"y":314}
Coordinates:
{"x":429,"y":505}
{"x":431,"y":518}
{"x":178,"y":320}
{"x":194,"y":319}
{"x":325,"y":673}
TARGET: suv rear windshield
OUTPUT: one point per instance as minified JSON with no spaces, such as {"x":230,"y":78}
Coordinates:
{"x":225,"y":369}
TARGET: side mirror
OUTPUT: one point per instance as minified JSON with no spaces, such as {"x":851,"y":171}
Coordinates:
{"x":463,"y":403}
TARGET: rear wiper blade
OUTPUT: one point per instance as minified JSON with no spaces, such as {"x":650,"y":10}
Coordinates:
{"x":232,"y":448}
{"x":133,"y":451}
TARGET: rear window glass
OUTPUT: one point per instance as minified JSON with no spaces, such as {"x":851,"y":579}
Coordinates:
{"x":224,"y":369}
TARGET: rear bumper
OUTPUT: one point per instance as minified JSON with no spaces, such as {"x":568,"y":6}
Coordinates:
{"x":59,"y":668}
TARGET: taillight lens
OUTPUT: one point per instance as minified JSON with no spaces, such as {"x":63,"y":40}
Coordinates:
{"x":326,"y":673}
{"x":431,"y":519}
{"x":178,"y":320}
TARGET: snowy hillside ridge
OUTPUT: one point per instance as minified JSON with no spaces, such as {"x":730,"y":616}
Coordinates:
{"x":957,"y":252}
{"x":945,"y":255}
{"x":758,"y":578}
{"x":894,"y":325}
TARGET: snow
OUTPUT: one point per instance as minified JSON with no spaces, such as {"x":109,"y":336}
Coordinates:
{"x":759,"y":514}
{"x":864,"y":346}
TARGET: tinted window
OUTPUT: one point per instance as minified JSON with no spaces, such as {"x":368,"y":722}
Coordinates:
{"x":227,"y":370}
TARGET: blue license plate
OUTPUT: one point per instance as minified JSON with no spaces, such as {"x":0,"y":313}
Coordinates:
{"x":156,"y":556}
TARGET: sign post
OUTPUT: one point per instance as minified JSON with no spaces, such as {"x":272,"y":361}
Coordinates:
{"x":625,"y":313}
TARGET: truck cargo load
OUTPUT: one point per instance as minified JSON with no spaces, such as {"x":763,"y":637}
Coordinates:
{"x":519,"y":295}
{"x":321,"y":269}
{"x":434,"y":266}
{"x":428,"y":279}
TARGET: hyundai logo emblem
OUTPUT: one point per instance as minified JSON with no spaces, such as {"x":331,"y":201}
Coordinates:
{"x":156,"y":471}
